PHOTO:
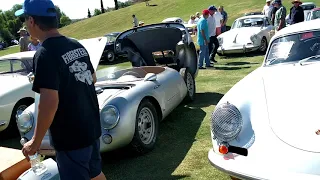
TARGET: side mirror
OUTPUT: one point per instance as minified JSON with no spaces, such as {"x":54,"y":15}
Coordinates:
{"x":150,"y":77}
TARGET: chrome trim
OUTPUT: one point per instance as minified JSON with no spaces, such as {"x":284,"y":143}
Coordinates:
{"x":118,"y":119}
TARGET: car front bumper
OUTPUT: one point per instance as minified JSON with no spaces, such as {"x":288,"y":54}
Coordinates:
{"x":237,"y":49}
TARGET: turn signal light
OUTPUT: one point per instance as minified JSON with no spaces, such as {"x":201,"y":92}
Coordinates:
{"x":223,"y":149}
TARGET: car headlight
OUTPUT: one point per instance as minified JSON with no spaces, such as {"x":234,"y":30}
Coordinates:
{"x":253,"y":38}
{"x":25,"y":122}
{"x":226,"y":122}
{"x":109,"y":117}
{"x":220,"y":40}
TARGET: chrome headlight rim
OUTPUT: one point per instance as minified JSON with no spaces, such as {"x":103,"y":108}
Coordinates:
{"x":226,"y":136}
{"x":117,"y":117}
{"x":22,"y":128}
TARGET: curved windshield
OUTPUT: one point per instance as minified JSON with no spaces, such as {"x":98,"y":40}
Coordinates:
{"x":111,"y":38}
{"x":293,"y":48}
{"x":248,"y":22}
{"x":308,"y":7}
{"x":315,"y":14}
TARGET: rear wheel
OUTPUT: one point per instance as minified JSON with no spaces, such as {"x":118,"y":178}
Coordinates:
{"x":263,"y":45}
{"x":190,"y":83}
{"x":146,"y":128}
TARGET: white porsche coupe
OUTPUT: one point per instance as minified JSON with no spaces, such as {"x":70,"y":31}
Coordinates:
{"x":248,"y":33}
{"x":267,"y":125}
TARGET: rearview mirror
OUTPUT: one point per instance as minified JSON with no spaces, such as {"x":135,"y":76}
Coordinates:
{"x":150,"y":77}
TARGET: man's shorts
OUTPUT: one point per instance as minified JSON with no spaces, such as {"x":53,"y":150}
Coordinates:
{"x":80,"y":164}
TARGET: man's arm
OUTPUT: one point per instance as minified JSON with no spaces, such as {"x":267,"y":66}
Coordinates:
{"x":47,"y":108}
{"x":94,"y":77}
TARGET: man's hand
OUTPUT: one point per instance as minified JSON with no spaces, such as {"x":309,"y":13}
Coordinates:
{"x":30,"y":148}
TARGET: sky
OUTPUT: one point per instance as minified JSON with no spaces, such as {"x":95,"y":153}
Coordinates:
{"x":75,"y":9}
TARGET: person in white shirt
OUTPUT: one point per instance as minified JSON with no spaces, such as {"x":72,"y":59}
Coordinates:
{"x":197,"y":17}
{"x":213,"y":43}
{"x":34,"y":45}
{"x":267,"y":9}
{"x":135,"y":21}
{"x":192,"y":20}
{"x":219,"y":19}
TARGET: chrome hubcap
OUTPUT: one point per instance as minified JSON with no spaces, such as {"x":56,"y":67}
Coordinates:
{"x":190,"y":84}
{"x":20,"y":110}
{"x":146,"y":125}
{"x":110,"y":56}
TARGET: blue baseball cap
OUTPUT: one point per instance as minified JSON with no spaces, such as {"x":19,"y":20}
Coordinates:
{"x":37,"y":8}
{"x":212,"y":8}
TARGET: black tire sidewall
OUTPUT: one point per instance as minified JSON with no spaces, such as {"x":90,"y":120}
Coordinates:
{"x":137,"y":145}
{"x":114,"y":56}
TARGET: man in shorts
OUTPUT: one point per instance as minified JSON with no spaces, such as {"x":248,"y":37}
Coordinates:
{"x":67,"y":107}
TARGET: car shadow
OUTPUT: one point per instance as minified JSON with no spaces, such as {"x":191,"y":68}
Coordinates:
{"x":239,"y":63}
{"x":176,"y":136}
{"x":231,"y":68}
{"x":249,"y":54}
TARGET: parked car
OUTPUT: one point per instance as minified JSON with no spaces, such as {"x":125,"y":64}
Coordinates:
{"x":3,"y":45}
{"x":15,"y":90}
{"x":247,"y":34}
{"x":253,"y":13}
{"x":267,"y":125}
{"x":306,"y":6}
{"x":313,"y":14}
{"x":108,"y":54}
{"x":192,"y":28}
{"x":133,"y":101}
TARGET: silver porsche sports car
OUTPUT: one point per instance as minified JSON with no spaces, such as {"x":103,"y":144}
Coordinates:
{"x":133,"y":101}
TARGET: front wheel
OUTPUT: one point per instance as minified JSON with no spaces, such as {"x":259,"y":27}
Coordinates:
{"x":110,"y":56}
{"x":146,"y":128}
{"x":263,"y":45}
{"x":190,"y":83}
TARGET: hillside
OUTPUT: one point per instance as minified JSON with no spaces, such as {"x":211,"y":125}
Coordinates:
{"x":121,"y":20}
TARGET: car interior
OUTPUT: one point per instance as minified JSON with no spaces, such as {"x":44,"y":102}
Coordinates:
{"x":160,"y":47}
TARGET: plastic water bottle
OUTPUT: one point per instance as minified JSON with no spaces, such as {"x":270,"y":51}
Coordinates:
{"x":36,"y":165}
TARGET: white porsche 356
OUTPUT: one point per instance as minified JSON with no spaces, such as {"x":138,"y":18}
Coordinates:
{"x":133,"y":101}
{"x":248,"y":33}
{"x":267,"y":125}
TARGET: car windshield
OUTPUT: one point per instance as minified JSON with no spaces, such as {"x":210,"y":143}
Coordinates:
{"x":308,"y":7}
{"x":248,"y":22}
{"x":293,"y":48}
{"x":111,"y":38}
{"x":315,"y":14}
{"x":12,"y":66}
{"x":112,"y":74}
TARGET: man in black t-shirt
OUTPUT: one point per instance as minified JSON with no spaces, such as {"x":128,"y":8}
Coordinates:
{"x":68,"y":106}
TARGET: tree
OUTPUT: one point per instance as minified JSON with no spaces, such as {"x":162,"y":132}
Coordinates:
{"x":65,"y":20}
{"x":97,"y":12}
{"x":102,"y":8}
{"x":89,"y":13}
{"x":116,"y":5}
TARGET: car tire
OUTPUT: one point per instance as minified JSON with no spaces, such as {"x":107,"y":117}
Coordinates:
{"x":147,"y":110}
{"x":190,"y":83}
{"x":12,"y":129}
{"x":263,"y":45}
{"x":110,"y":57}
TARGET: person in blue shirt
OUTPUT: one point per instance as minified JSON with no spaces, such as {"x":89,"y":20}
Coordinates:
{"x":203,"y":39}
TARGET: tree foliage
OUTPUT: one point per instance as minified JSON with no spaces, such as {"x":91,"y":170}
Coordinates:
{"x":97,"y":12}
{"x":10,"y":24}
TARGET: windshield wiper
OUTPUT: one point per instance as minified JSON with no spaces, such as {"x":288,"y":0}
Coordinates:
{"x":316,"y":57}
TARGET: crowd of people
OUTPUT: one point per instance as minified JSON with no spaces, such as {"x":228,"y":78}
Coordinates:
{"x":213,"y":22}
{"x":26,"y":42}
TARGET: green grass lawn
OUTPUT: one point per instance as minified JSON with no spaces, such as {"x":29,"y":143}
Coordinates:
{"x":184,"y":138}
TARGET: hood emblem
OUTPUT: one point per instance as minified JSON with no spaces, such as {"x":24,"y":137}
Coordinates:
{"x":318,"y":132}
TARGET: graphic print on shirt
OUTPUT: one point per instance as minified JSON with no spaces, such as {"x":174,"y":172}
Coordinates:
{"x":79,"y":69}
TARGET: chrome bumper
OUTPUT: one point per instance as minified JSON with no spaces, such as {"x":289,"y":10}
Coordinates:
{"x":233,"y":50}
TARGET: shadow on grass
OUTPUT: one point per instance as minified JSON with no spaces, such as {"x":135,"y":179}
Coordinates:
{"x":241,"y":55}
{"x":239,"y":63}
{"x":231,"y":68}
{"x":176,"y":136}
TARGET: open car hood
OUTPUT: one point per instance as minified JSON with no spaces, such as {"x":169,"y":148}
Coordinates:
{"x":95,"y":48}
{"x":140,"y":43}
